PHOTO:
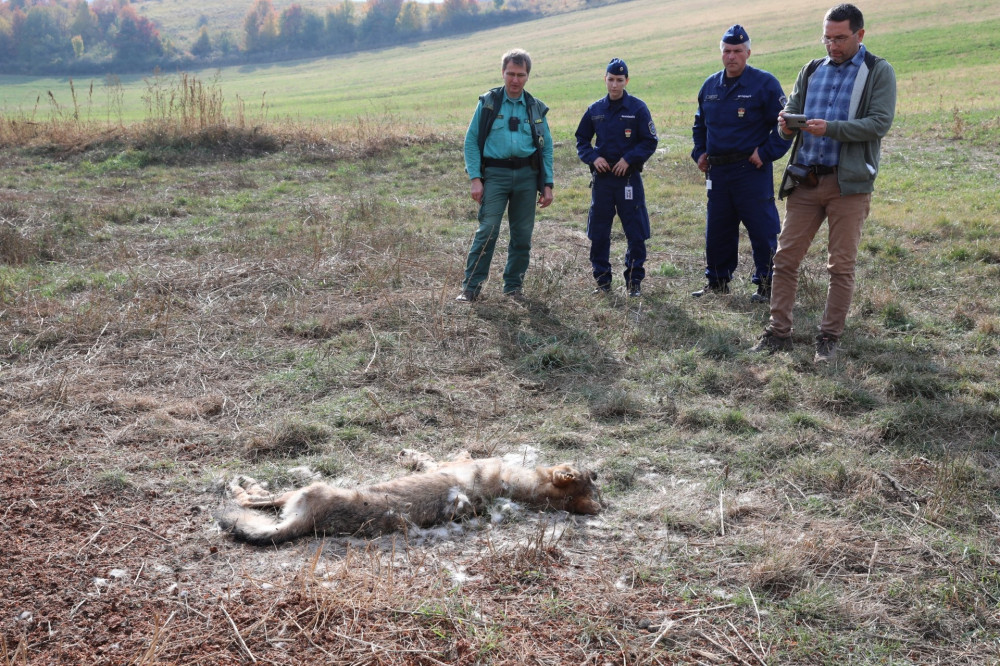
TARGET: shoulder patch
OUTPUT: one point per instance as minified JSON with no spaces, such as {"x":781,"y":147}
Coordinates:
{"x":652,"y":130}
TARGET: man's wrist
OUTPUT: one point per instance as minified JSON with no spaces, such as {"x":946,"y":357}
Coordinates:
{"x":549,"y":185}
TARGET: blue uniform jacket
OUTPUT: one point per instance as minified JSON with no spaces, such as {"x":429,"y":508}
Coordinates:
{"x":741,"y":117}
{"x":627,"y":131}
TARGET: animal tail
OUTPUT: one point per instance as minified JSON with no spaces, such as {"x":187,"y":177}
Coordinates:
{"x":258,"y":529}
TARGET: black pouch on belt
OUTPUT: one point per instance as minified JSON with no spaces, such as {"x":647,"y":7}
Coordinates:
{"x":802,"y":175}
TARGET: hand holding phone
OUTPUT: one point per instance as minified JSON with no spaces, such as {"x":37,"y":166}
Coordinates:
{"x":795,"y":120}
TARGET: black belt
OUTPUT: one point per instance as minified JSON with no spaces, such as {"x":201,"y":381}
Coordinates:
{"x":601,"y":174}
{"x":510,"y":163}
{"x":822,"y":170}
{"x":730,"y":158}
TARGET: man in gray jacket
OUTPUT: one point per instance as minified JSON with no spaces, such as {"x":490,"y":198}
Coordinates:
{"x":834,"y":161}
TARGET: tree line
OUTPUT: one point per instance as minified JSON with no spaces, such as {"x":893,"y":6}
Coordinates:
{"x":76,"y":36}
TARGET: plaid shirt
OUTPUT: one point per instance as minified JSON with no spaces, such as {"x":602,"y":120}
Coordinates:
{"x":829,"y":98}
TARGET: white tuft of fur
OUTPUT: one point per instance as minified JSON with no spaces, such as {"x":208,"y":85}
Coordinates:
{"x":525,"y":455}
{"x":458,"y":501}
{"x":504,"y":509}
{"x":304,"y":474}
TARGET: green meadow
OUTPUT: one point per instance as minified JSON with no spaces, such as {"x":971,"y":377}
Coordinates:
{"x":936,"y":48}
{"x":252,"y":271}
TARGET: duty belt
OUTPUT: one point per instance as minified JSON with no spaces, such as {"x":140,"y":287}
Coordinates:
{"x":510,"y":163}
{"x":729,"y":158}
{"x":822,"y":170}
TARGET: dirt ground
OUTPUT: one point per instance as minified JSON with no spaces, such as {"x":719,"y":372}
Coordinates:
{"x":163,"y":324}
{"x":106,"y":575}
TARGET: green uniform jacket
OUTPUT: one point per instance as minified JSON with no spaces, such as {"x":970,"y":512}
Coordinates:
{"x":540,"y":143}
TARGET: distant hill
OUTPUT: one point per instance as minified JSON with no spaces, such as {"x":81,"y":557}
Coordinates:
{"x":670,"y":45}
{"x":182,"y":19}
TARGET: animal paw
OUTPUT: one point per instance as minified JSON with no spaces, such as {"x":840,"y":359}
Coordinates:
{"x":563,"y":476}
{"x":246,"y":485}
{"x":417,"y":460}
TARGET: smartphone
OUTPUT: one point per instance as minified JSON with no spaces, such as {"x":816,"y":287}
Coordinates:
{"x":795,"y":120}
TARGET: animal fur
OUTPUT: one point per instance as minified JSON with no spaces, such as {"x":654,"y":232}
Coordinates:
{"x":437,"y":493}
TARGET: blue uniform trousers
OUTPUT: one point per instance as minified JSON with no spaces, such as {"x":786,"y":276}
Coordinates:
{"x":740,"y":192}
{"x":608,"y":197}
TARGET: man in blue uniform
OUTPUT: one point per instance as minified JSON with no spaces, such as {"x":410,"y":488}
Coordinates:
{"x":626,"y":138}
{"x":736,"y":139}
{"x":508,"y":156}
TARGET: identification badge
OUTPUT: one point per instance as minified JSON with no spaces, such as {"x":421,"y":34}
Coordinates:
{"x":628,"y":193}
{"x":708,"y":183}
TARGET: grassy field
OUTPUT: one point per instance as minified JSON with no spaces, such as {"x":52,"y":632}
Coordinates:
{"x":196,"y":289}
{"x":670,"y":46}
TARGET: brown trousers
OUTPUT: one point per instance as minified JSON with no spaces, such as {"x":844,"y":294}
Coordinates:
{"x":805,"y":210}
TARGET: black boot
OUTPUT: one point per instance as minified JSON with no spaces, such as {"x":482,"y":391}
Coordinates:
{"x":713,"y":287}
{"x":763,"y":294}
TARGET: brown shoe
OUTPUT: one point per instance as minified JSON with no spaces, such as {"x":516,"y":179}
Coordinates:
{"x":769,"y":343}
{"x":826,"y":349}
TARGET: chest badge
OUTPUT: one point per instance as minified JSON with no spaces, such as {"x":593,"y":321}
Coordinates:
{"x":628,"y":133}
{"x":741,"y":112}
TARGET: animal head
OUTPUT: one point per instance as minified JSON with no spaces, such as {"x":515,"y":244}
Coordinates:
{"x":575,"y":489}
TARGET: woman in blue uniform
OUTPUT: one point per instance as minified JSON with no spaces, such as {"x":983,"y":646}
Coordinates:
{"x":626,"y":138}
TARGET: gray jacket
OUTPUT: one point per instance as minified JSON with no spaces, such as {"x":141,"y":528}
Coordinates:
{"x":873,"y":106}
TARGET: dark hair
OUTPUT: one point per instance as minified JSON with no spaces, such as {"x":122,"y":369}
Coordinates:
{"x":846,"y":12}
{"x":518,"y":57}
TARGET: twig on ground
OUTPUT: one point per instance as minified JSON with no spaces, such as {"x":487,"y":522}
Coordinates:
{"x":667,"y":626}
{"x":239,"y":639}
{"x":143,"y":529}
{"x":90,"y":540}
{"x":722,"y":516}
{"x":728,"y":651}
{"x":744,"y":641}
{"x":757,"y":611}
{"x":375,"y":352}
{"x":871,"y":562}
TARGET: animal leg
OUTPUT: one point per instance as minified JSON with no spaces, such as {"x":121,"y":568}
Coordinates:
{"x":416,"y":460}
{"x":248,"y":493}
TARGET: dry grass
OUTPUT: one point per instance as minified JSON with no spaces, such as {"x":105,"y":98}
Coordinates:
{"x":175,"y":312}
{"x":185,"y":112}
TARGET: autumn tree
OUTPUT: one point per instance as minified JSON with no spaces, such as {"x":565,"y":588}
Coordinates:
{"x":261,"y":27}
{"x":379,"y":23}
{"x":136,"y":39}
{"x":411,"y":19}
{"x":6,"y":39}
{"x":202,"y":46}
{"x":85,"y":23}
{"x":341,"y":30}
{"x":42,"y":35}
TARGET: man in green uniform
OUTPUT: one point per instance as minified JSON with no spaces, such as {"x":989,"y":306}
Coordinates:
{"x":508,"y":156}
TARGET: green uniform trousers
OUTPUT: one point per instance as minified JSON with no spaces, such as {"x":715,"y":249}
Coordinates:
{"x":515,"y":190}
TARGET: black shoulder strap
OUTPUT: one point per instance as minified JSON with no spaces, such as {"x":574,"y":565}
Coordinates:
{"x":491,"y":101}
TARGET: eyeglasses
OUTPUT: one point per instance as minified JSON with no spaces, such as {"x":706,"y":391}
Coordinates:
{"x":838,"y":41}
